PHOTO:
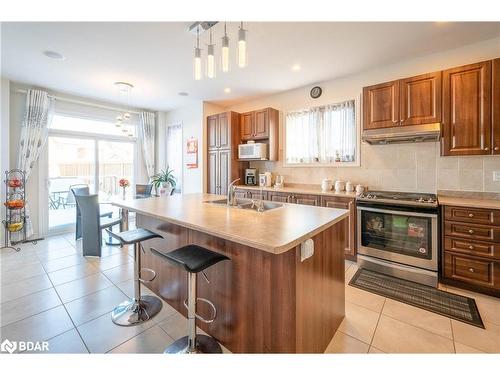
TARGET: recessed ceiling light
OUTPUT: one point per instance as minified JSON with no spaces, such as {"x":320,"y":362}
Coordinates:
{"x":296,"y":67}
{"x":182,"y":93}
{"x":227,"y":90}
{"x":54,"y":55}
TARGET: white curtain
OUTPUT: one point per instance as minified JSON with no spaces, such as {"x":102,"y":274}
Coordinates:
{"x":147,"y":136}
{"x":322,"y":134}
{"x":34,"y":134}
{"x":174,"y":152}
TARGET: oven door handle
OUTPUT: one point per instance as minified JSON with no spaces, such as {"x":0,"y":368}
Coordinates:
{"x":396,"y":212}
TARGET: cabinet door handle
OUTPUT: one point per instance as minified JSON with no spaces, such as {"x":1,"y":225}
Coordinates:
{"x":496,"y":148}
{"x":471,"y":247}
{"x":471,"y":270}
{"x":486,"y":148}
{"x":471,"y":215}
{"x":471,"y":231}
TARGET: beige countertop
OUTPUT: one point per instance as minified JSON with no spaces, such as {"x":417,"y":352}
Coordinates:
{"x":274,"y":231}
{"x":302,"y":189}
{"x":469,"y":199}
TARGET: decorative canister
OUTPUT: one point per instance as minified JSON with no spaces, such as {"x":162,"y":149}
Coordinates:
{"x":360,"y":189}
{"x":339,"y":186}
{"x":326,"y":185}
{"x":349,"y":187}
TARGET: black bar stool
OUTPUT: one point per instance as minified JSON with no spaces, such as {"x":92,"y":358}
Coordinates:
{"x":194,"y":259}
{"x":140,"y":308}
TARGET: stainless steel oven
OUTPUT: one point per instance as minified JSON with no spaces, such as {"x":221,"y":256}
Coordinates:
{"x":399,"y":239}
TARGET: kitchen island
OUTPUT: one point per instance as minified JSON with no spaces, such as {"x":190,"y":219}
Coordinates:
{"x":268,"y":299}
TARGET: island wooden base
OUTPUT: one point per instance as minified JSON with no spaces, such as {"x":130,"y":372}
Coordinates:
{"x":266,"y":303}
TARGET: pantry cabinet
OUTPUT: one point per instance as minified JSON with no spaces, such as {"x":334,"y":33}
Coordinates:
{"x":223,"y":136}
{"x":466,"y":126}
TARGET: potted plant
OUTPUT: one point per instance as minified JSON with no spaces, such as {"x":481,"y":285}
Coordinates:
{"x":164,"y":179}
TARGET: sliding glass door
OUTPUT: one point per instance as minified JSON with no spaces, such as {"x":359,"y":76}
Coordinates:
{"x":116,"y":161}
{"x":82,"y":160}
{"x":72,"y":161}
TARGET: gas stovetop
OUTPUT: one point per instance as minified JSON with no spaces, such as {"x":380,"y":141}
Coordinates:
{"x":395,"y":198}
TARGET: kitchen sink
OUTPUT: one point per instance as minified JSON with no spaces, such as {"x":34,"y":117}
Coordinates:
{"x":247,"y":204}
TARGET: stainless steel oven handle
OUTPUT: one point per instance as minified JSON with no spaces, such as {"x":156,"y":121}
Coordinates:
{"x":409,"y":213}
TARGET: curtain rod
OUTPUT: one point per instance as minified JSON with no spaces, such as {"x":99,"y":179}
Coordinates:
{"x":75,"y":101}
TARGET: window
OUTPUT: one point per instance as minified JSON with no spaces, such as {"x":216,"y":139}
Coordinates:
{"x":174,"y":153}
{"x":322,"y":135}
{"x":94,"y":126}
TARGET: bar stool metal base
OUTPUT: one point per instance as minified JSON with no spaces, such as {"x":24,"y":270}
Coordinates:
{"x":130,"y":312}
{"x":204,"y":345}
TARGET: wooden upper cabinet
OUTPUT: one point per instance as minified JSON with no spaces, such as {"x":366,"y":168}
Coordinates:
{"x":247,"y":125}
{"x":261,"y":123}
{"x":420,"y":99}
{"x":381,"y":105}
{"x":212,"y":132}
{"x":495,"y":100}
{"x":466,"y":123}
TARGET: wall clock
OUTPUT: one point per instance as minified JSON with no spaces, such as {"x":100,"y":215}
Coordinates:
{"x":316,"y":92}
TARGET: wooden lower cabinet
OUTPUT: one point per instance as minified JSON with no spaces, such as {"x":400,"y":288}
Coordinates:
{"x":279,"y":197}
{"x":345,"y":203}
{"x":350,"y":225}
{"x":307,"y":199}
{"x":471,"y":249}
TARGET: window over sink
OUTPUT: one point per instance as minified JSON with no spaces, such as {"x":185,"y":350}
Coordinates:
{"x":323,"y":136}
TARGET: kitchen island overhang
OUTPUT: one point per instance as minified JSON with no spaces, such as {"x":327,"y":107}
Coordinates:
{"x":268,"y":299}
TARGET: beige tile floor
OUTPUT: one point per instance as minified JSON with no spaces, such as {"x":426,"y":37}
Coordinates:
{"x":50,"y":292}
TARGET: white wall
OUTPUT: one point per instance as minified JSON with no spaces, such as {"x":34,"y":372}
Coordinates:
{"x":390,"y":167}
{"x":191,"y":117}
{"x":4,"y":142}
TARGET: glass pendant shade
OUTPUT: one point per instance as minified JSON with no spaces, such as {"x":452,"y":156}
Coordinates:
{"x":210,"y":61}
{"x":197,"y":63}
{"x":225,"y":52}
{"x":242,"y":48}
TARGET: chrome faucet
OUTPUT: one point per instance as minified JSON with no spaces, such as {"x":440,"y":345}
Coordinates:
{"x":231,"y":196}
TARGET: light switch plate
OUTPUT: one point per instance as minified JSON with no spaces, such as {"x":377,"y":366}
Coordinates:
{"x":496,"y":175}
{"x":306,"y":249}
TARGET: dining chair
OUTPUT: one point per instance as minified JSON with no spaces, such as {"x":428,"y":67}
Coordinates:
{"x":82,"y":190}
{"x":92,"y":224}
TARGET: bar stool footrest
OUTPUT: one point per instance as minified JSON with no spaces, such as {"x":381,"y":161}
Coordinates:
{"x":147,"y":280}
{"x":204,"y":320}
{"x":204,"y":345}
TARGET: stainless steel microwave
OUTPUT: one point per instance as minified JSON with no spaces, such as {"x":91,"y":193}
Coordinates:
{"x":252,"y":151}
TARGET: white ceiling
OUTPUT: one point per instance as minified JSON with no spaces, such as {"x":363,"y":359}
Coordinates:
{"x":157,"y":57}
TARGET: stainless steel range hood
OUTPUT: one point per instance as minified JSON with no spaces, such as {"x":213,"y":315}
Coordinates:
{"x":403,"y":134}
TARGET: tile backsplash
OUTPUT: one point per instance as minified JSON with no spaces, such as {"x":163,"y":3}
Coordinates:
{"x":402,"y":167}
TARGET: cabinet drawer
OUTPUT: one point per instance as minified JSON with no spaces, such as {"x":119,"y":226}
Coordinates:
{"x":307,"y":199}
{"x":478,"y":232}
{"x":471,"y":247}
{"x":472,"y":215}
{"x":255,"y":194}
{"x":471,"y":270}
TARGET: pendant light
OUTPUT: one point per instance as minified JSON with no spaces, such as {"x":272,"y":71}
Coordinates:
{"x":210,"y":66}
{"x":225,"y":51}
{"x":242,"y":47}
{"x":197,"y":57}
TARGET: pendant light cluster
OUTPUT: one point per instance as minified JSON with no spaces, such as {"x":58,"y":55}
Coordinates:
{"x":210,"y":62}
{"x":122,"y":119}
